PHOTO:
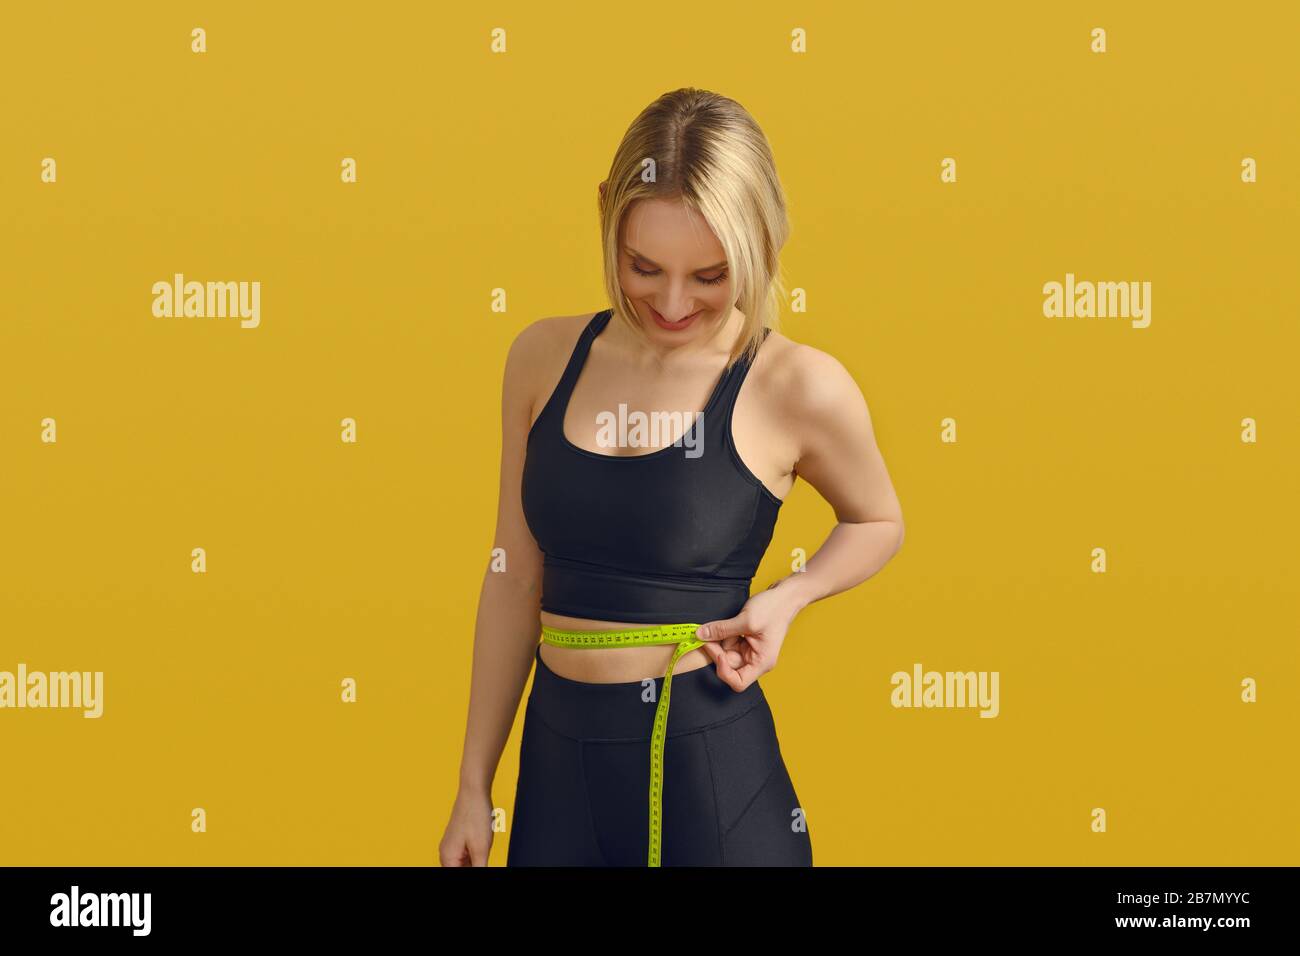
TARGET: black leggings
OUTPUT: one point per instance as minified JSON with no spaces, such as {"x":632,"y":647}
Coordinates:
{"x":583,"y":795}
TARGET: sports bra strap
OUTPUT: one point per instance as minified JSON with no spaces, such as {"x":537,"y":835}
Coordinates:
{"x":579,"y":357}
{"x":735,"y":378}
{"x":552,"y":415}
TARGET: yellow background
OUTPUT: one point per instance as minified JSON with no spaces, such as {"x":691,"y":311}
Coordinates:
{"x":477,"y":171}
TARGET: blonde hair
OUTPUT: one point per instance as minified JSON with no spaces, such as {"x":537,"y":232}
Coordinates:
{"x":705,"y":149}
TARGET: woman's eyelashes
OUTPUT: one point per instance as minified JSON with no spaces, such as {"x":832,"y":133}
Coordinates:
{"x":721,"y":277}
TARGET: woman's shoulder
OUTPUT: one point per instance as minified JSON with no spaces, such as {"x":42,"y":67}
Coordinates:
{"x":543,"y":342}
{"x":538,"y":356}
{"x":803,"y":379}
{"x":543,"y":338}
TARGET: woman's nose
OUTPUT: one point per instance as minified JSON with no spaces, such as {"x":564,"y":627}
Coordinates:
{"x":676,"y":311}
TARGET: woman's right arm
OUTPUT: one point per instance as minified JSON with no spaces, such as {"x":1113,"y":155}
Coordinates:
{"x":507,"y":627}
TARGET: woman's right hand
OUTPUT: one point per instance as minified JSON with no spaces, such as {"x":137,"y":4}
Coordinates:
{"x":468,"y":837}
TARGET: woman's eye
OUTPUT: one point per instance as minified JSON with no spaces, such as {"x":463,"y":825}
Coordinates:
{"x":721,"y":277}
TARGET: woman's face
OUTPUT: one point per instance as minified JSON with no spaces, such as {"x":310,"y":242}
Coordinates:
{"x":674,"y":270}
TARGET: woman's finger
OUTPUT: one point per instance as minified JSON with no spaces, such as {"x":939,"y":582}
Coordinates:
{"x":726,"y":672}
{"x":746,"y":674}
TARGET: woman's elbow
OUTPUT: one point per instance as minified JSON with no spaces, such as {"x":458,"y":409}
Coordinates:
{"x":516,"y":583}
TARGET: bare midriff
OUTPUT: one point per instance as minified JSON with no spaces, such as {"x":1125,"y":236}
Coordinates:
{"x":612,"y":665}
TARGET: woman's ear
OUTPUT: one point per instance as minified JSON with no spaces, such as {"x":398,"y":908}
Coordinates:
{"x":602,"y":188}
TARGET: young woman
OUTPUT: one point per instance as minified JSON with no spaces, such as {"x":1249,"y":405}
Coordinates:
{"x":634,"y":545}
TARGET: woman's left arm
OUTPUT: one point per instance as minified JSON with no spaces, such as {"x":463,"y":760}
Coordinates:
{"x":838,"y":456}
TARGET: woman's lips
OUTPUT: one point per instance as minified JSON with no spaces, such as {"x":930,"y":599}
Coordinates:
{"x":673,"y":326}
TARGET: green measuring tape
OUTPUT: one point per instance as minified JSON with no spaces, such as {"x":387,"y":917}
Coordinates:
{"x":683,"y":635}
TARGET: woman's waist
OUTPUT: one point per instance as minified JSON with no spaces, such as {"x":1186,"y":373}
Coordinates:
{"x":579,"y":699}
{"x":602,"y":651}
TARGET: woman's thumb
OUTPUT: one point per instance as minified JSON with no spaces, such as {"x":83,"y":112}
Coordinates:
{"x":717,"y":630}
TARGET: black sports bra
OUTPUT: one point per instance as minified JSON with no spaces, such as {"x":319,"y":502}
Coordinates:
{"x":655,"y":538}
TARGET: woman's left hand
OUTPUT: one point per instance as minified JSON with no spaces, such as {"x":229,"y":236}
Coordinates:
{"x":746,"y":646}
